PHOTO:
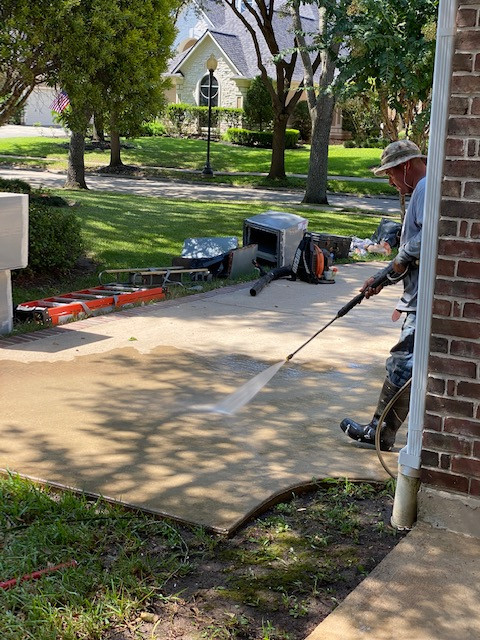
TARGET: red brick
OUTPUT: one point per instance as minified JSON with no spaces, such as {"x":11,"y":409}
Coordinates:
{"x":466,"y":466}
{"x":464,"y":226}
{"x":472,"y":190}
{"x":461,"y":427}
{"x":474,"y":487}
{"x":447,"y":228}
{"x":465,"y":349}
{"x":466,"y":84}
{"x":476,"y":449}
{"x":477,"y":62}
{"x":466,"y":18}
{"x":451,"y":386}
{"x":468,"y":41}
{"x":455,"y":147}
{"x":430,"y":458}
{"x":445,"y":461}
{"x":432,"y":423}
{"x":438,"y":345}
{"x":436,"y":386}
{"x":445,"y":480}
{"x":475,"y":230}
{"x":475,"y":108}
{"x":460,"y":248}
{"x":460,"y":208}
{"x":451,"y":188}
{"x":442,"y":307}
{"x":459,"y":105}
{"x":469,"y":390}
{"x":456,"y":328}
{"x":471,"y":310}
{"x":446,"y":443}
{"x":458,"y":288}
{"x":449,"y":406}
{"x":463,"y":126}
{"x":468,"y":270}
{"x":472,"y":148}
{"x":459,"y":168}
{"x":446,"y":267}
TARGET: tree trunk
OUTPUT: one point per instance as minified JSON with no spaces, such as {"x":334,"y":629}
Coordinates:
{"x":277,"y":165}
{"x":390,"y":120}
{"x":98,"y":132}
{"x":76,"y":162}
{"x":317,"y":179}
{"x":115,"y":159}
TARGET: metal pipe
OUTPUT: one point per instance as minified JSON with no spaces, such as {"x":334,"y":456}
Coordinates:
{"x":409,"y":460}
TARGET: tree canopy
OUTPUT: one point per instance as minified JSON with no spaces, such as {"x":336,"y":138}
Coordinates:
{"x":390,"y":51}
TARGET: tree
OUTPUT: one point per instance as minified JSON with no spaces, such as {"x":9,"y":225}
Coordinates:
{"x":261,"y":19}
{"x":258,"y":105}
{"x":320,"y":96}
{"x":133,"y":89}
{"x":26,"y":31}
{"x":111,"y":63}
{"x":391,"y":49}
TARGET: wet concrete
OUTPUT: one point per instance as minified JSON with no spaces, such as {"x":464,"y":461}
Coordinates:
{"x":105,"y":405}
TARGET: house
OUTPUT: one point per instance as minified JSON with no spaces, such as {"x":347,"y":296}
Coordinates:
{"x":211,"y":28}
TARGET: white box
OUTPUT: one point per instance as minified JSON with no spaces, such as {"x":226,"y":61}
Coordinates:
{"x":13,"y":231}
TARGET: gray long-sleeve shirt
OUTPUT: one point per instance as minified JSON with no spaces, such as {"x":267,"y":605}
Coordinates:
{"x":410,"y":243}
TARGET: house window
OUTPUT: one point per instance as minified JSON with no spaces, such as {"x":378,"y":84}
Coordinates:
{"x":205,"y":89}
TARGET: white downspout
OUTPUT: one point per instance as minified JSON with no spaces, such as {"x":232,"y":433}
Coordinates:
{"x":409,"y":460}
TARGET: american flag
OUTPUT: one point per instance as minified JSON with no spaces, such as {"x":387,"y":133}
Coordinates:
{"x":60,"y":103}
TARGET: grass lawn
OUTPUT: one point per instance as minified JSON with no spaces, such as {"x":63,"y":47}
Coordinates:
{"x":176,"y":153}
{"x":131,"y":576}
{"x":123,"y":231}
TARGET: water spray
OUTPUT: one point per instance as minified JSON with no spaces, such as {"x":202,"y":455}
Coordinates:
{"x":242,"y":396}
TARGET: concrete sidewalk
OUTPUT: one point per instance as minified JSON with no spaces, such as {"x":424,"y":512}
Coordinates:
{"x":203,"y":191}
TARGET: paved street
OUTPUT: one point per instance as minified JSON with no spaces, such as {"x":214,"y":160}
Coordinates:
{"x":199,"y":191}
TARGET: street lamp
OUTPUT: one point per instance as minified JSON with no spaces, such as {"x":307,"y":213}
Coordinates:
{"x":211,"y":66}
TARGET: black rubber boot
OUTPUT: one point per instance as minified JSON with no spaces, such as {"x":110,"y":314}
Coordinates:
{"x":392,"y":421}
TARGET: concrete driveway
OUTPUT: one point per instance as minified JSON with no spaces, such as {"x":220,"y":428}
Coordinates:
{"x":107,"y":405}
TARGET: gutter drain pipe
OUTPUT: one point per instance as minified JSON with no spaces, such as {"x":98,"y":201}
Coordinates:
{"x":409,"y":459}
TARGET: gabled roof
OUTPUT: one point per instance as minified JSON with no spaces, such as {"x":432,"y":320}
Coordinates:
{"x":235,"y":41}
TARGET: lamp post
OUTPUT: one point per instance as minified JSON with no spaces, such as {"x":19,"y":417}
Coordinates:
{"x":211,"y":66}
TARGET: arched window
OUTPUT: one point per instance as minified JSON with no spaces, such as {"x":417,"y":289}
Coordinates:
{"x":205,"y":89}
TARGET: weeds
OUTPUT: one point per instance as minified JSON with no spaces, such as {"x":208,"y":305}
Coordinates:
{"x":139,"y":576}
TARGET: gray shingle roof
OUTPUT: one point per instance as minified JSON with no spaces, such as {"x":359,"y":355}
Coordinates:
{"x":233,"y":37}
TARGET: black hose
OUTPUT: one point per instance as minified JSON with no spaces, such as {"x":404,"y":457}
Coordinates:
{"x":274,"y":274}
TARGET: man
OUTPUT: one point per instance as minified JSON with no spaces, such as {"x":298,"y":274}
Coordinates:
{"x":404,"y":164}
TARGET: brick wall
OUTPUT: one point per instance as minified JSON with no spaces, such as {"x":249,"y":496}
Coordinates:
{"x":451,"y":445}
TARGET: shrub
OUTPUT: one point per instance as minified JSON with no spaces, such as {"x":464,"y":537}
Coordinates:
{"x":153,"y":128}
{"x":14,"y":186}
{"x":301,"y":120}
{"x":179,"y":115}
{"x":55,"y":242}
{"x":264,"y":139}
{"x":258,"y":105}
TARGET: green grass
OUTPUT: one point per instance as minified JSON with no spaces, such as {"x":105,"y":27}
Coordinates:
{"x":129,"y":231}
{"x":190,"y":154}
{"x":116,"y":569}
{"x":287,"y":564}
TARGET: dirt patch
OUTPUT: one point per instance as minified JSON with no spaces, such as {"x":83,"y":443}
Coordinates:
{"x":281,"y":575}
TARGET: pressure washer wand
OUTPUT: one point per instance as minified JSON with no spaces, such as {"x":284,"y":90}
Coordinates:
{"x":383,"y":277}
{"x":246,"y":392}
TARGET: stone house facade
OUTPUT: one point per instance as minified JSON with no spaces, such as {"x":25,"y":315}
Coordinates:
{"x":450,"y":494}
{"x":213,"y":29}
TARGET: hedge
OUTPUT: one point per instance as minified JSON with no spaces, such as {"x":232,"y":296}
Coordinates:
{"x":264,"y":139}
{"x":181,"y":116}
